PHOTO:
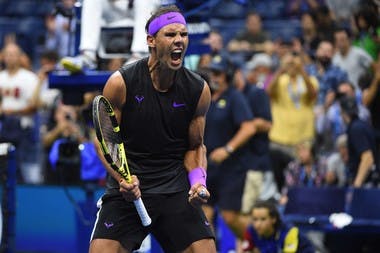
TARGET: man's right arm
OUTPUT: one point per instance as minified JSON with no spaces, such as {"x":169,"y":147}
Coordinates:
{"x":115,"y":91}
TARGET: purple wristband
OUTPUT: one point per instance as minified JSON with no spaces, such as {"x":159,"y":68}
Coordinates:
{"x":197,"y":175}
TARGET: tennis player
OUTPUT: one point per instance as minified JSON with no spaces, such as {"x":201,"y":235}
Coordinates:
{"x":161,"y":108}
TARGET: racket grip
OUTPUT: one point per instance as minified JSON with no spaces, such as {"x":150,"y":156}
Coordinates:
{"x":141,"y":210}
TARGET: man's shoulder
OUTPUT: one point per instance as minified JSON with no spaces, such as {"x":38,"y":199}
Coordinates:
{"x":128,"y":66}
{"x":191,"y":76}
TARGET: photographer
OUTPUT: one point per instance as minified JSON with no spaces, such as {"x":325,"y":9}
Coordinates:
{"x":293,"y":94}
{"x":64,"y":129}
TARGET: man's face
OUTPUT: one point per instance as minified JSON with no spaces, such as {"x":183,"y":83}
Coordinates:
{"x":170,"y":44}
{"x":342,"y":42}
{"x":325,"y":49}
{"x":253,"y":24}
{"x":217,"y":79}
{"x":325,"y":52}
{"x":216,"y":42}
{"x":262,"y":222}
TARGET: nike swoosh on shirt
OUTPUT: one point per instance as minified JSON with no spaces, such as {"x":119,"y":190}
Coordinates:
{"x":175,"y":104}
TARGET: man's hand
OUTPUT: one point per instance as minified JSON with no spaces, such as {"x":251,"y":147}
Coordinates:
{"x":130,"y":191}
{"x":198,"y":194}
{"x":218,"y":155}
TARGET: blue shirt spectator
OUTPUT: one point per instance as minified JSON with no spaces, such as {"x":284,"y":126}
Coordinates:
{"x":329,"y":75}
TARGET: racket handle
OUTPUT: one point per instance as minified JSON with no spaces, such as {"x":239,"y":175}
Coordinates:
{"x":141,"y":210}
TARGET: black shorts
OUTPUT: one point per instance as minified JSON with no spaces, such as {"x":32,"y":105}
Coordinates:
{"x":175,"y":223}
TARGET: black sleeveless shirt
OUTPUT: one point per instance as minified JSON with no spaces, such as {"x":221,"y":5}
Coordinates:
{"x":155,"y":127}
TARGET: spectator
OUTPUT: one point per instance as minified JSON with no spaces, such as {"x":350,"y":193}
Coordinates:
{"x":17,"y":87}
{"x":281,"y":47}
{"x":111,"y":13}
{"x":259,"y":70}
{"x":329,"y":75}
{"x":355,"y":61}
{"x":68,"y":163}
{"x":228,"y":128}
{"x":25,"y":61}
{"x":60,"y":28}
{"x":367,"y":22}
{"x":304,"y":170}
{"x":216,"y":43}
{"x":363,"y":170}
{"x":252,"y":39}
{"x":336,"y":164}
{"x":293,"y":94}
{"x":259,"y":180}
{"x":309,"y":34}
{"x":325,"y":23}
{"x":45,"y":97}
{"x":335,"y":123}
{"x":269,"y":234}
{"x":342,"y":10}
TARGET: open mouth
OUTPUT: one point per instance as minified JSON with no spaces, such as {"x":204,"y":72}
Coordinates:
{"x":176,"y":55}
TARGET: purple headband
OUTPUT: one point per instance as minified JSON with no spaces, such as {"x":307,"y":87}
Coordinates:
{"x":164,"y":20}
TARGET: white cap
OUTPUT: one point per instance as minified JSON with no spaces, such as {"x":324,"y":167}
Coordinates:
{"x":260,"y":59}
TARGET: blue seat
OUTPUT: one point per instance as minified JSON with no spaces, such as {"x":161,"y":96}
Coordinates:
{"x":228,"y":9}
{"x":315,"y":201}
{"x":365,"y":204}
{"x":280,"y":28}
{"x":228,"y":28}
{"x":22,"y":8}
{"x":269,"y":9}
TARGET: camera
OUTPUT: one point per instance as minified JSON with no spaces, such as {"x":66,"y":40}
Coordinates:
{"x":69,"y":161}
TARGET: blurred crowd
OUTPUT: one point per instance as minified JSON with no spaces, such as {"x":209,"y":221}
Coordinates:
{"x":306,"y":106}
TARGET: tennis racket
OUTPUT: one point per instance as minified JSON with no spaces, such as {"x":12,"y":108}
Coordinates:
{"x":108,"y":134}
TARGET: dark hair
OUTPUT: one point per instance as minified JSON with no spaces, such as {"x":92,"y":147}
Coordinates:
{"x":370,"y":15}
{"x":272,"y":209}
{"x":343,"y":29}
{"x":159,"y":12}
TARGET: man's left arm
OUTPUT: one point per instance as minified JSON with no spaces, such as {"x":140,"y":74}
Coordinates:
{"x":195,"y":158}
{"x":365,"y":166}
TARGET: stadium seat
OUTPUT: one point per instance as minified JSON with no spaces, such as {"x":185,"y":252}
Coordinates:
{"x":280,"y":28}
{"x":227,"y":9}
{"x":269,"y":9}
{"x":365,"y":204}
{"x":228,"y":28}
{"x":315,"y":201}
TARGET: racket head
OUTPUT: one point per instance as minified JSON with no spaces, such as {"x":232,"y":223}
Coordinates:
{"x":108,"y":134}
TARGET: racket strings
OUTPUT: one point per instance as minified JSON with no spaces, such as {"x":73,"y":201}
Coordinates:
{"x":111,"y":138}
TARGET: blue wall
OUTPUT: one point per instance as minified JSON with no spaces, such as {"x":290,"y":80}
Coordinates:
{"x":46,"y":220}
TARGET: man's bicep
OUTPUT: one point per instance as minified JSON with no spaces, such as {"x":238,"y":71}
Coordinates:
{"x":197,"y":125}
{"x":196,"y":132}
{"x":115,"y":91}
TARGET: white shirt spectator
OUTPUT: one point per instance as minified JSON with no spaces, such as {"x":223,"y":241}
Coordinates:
{"x":17,"y":91}
{"x":355,"y":63}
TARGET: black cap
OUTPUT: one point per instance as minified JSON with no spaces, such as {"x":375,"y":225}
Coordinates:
{"x":219,"y":63}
